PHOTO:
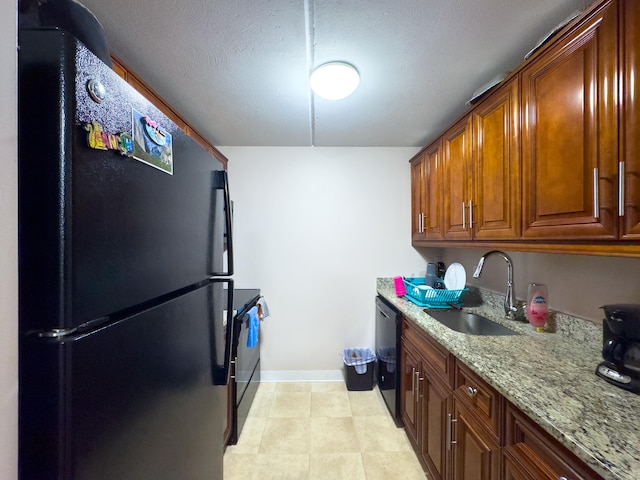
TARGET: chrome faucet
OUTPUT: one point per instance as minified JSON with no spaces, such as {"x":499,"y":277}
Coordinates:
{"x":512,"y":309}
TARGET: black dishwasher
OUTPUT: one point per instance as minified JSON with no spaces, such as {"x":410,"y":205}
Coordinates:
{"x":388,"y":332}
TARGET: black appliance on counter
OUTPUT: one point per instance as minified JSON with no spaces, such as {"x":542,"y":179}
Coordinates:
{"x":245,"y":363}
{"x":125,"y":321}
{"x":388,"y":334}
{"x":621,"y":346}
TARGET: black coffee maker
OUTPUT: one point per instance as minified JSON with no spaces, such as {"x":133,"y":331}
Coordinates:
{"x":621,"y":346}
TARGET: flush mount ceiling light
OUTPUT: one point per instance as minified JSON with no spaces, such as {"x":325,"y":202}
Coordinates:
{"x":334,"y":80}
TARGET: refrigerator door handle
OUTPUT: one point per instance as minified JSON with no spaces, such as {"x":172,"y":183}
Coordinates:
{"x":220,"y":373}
{"x":229,"y":222}
{"x":222,"y":183}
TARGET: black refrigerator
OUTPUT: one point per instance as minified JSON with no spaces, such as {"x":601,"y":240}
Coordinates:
{"x":125,"y":258}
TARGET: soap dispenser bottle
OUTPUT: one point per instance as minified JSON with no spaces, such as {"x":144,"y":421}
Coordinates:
{"x":537,"y":305}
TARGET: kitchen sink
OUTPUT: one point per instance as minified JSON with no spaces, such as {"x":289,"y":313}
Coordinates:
{"x":468,"y":323}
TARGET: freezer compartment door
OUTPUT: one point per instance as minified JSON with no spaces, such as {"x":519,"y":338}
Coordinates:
{"x":99,"y":231}
{"x":135,"y":399}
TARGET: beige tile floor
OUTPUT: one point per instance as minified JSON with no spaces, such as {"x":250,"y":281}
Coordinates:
{"x":298,"y":431}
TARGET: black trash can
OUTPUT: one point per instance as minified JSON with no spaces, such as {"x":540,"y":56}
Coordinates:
{"x":359,"y":364}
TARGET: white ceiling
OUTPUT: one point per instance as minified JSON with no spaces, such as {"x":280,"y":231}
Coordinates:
{"x":238,"y":70}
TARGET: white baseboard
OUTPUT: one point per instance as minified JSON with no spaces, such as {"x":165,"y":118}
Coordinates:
{"x":302,"y":376}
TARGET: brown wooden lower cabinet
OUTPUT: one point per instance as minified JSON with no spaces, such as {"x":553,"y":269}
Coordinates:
{"x":475,"y":454}
{"x":408,"y":393}
{"x":426,"y":387}
{"x":462,"y":429}
{"x":530,"y":450}
{"x":519,"y":465}
{"x":435,"y":409}
{"x":476,"y":433}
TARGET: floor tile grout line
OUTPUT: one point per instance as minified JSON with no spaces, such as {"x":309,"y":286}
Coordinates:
{"x":361,"y":435}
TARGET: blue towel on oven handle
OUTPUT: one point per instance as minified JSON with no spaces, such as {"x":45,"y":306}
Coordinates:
{"x":254,"y":327}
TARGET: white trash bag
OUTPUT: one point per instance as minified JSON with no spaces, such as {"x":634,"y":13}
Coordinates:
{"x":358,"y":358}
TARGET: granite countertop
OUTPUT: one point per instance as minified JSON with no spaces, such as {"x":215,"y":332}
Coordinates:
{"x":550,"y":377}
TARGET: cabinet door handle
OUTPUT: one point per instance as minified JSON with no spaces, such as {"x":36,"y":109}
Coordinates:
{"x":450,"y":440}
{"x":233,"y":367}
{"x":621,"y":189}
{"x":423,"y":227}
{"x":472,"y":392}
{"x":413,"y":381}
{"x":416,"y":376}
{"x":420,"y":390}
{"x":596,"y":199}
{"x":471,"y":214}
{"x":464,"y":225}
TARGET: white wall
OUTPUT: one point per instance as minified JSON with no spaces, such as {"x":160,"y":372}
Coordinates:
{"x":8,"y":246}
{"x":313,"y":228}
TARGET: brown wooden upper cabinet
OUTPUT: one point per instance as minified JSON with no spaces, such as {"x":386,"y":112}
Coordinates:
{"x":552,"y":154}
{"x":466,"y":185}
{"x":418,"y":188}
{"x":495,"y":211}
{"x":482,"y":171}
{"x":629,"y":188}
{"x":457,"y":185}
{"x":570,"y":134}
{"x":426,"y":204}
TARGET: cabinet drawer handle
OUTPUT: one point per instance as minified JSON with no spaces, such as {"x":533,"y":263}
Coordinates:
{"x":596,"y":199}
{"x":621,"y":189}
{"x":472,"y":391}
